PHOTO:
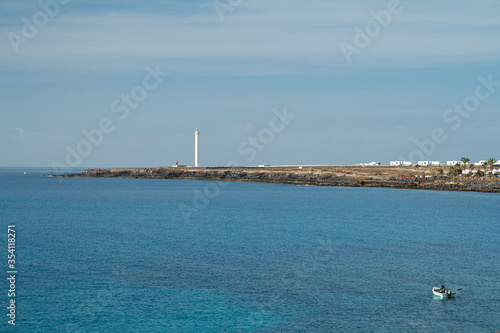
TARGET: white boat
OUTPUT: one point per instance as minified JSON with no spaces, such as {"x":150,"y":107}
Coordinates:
{"x":443,"y":292}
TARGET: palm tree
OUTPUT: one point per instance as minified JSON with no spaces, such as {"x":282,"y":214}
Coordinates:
{"x":479,"y":173}
{"x":490,"y":163}
{"x":465,"y":161}
{"x":485,"y":164}
{"x":454,"y":171}
{"x":471,"y":168}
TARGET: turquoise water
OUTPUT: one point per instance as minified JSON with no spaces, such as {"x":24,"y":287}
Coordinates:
{"x":137,"y":255}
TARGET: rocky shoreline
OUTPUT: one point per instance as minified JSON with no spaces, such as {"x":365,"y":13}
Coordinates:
{"x":392,"y":177}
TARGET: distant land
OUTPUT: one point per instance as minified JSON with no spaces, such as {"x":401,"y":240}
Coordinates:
{"x":425,"y":178}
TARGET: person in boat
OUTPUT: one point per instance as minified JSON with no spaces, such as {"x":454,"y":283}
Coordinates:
{"x":442,"y":288}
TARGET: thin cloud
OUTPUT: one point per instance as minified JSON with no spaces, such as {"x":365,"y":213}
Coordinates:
{"x":260,"y":35}
{"x":23,"y":135}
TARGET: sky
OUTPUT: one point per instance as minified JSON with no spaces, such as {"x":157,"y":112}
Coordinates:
{"x":304,"y":82}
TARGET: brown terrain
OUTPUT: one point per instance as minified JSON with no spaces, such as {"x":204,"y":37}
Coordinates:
{"x":349,"y":176}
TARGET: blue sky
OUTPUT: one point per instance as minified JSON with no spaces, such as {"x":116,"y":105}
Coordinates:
{"x":228,"y":71}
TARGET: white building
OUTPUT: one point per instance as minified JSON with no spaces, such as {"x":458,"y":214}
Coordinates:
{"x":370,"y":164}
{"x":429,"y":163}
{"x":452,"y":163}
{"x":177,"y":165}
{"x":400,"y":163}
{"x":480,"y":163}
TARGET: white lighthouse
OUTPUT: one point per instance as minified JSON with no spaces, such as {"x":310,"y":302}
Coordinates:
{"x":197,"y":148}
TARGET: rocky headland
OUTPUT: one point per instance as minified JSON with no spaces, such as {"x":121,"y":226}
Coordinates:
{"x":347,"y":176}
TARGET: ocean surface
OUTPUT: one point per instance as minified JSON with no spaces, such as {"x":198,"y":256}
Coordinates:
{"x":140,"y":255}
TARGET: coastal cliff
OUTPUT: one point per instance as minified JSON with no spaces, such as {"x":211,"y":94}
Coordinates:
{"x":394,"y":177}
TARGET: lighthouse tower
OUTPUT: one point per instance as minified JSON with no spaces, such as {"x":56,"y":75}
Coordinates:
{"x":196,"y":148}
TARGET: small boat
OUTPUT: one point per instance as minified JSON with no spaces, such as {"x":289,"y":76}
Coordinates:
{"x":443,"y":292}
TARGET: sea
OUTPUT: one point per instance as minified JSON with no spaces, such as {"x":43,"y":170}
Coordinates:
{"x":146,"y":255}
